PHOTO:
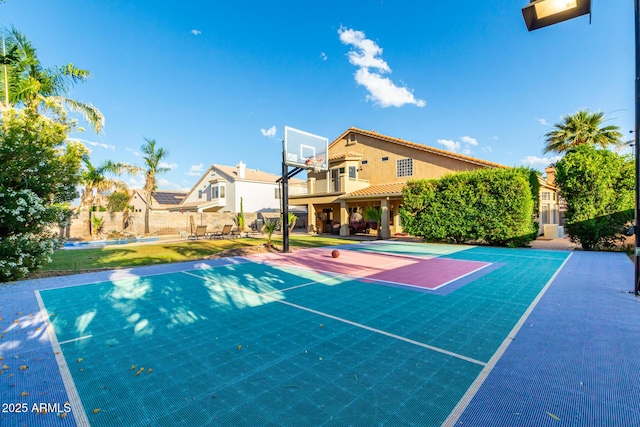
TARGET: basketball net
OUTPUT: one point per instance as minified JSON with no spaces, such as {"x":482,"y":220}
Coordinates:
{"x":314,"y":164}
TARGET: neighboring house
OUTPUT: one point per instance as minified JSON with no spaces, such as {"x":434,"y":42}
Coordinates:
{"x":161,"y":200}
{"x":370,"y":169}
{"x":552,"y":206}
{"x":221,"y":187}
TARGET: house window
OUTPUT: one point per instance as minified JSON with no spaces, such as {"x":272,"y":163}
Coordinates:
{"x":277,"y":193}
{"x":222,"y":195}
{"x":199,"y":194}
{"x":384,"y":159}
{"x":544,"y":215}
{"x":341,"y":170}
{"x":352,"y":172}
{"x":364,"y":162}
{"x":404,"y":167}
{"x":215,"y":192}
{"x":546,"y":195}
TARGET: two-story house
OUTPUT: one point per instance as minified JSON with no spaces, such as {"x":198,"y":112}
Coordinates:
{"x":221,"y":187}
{"x":370,"y":169}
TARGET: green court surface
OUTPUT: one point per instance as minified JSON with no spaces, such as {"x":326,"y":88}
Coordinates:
{"x":257,"y":343}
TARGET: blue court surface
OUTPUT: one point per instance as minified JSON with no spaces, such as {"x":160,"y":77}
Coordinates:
{"x":388,"y":334}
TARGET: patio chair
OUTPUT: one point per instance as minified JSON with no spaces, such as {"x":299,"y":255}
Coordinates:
{"x":226,"y":231}
{"x":200,"y":231}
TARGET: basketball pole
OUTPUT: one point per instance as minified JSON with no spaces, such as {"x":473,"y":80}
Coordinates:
{"x":285,"y":202}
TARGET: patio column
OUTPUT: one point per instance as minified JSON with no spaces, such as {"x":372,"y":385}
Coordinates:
{"x":311,"y":218}
{"x":384,"y":205}
{"x":344,"y":219}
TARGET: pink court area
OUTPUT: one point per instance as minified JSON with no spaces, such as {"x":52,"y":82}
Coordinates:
{"x":424,"y":273}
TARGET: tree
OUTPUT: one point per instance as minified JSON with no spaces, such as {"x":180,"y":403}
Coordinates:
{"x":152,"y":158}
{"x":119,"y":201}
{"x":96,"y":183}
{"x":38,"y":178}
{"x":583,"y":127}
{"x":25,"y":82}
{"x":598,"y":187}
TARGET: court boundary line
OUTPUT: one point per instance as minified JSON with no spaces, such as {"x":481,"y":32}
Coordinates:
{"x":226,"y":262}
{"x":465,"y":400}
{"x":461,"y":277}
{"x":79,"y":414}
{"x":381,"y":281}
{"x":467,"y":247}
{"x":349,"y":322}
{"x":75,"y":339}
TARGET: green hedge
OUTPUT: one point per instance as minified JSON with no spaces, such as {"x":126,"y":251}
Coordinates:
{"x":495,"y":206}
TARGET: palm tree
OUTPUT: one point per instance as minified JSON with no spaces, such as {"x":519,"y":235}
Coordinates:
{"x":24,"y":81}
{"x":96,"y":183}
{"x":152,"y":158}
{"x":583,"y":127}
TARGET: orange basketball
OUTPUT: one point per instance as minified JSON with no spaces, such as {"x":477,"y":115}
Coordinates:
{"x":335,"y":253}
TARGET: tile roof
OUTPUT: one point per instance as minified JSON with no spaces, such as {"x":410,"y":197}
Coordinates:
{"x":380,"y":189}
{"x":344,"y":156}
{"x":422,"y":147}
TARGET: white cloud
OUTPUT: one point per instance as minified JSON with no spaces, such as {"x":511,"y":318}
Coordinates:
{"x":269,"y":133}
{"x":323,"y":56}
{"x":168,"y":165}
{"x":165,"y":184}
{"x":135,"y":182}
{"x":469,"y":140}
{"x":196,"y":170}
{"x":134,"y":152}
{"x":95,"y":144}
{"x":536,"y":161}
{"x":543,"y":122}
{"x":463,"y":146}
{"x":450,"y":145}
{"x":366,"y":56}
{"x":196,"y":32}
{"x":487,"y":149}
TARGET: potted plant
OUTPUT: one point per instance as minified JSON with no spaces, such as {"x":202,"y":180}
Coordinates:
{"x":374,"y":214}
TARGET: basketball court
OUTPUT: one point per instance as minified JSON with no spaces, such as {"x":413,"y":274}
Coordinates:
{"x":385,"y":334}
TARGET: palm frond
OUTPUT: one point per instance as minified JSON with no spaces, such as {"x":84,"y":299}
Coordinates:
{"x":88,"y":111}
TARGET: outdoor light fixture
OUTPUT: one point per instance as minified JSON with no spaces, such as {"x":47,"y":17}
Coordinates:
{"x":541,"y":13}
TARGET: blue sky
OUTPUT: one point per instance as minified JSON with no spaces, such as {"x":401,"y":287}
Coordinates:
{"x":216,"y":82}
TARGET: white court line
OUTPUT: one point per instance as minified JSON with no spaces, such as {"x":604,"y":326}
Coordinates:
{"x":455,"y":414}
{"x":75,"y":339}
{"x":359,"y":325}
{"x":366,"y":278}
{"x":460,"y":277}
{"x":72,"y":393}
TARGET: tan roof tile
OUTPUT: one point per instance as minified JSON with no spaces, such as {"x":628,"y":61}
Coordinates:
{"x":381,"y":189}
{"x":422,"y":147}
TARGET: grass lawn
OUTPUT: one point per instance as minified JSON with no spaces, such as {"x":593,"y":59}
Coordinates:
{"x":81,"y":260}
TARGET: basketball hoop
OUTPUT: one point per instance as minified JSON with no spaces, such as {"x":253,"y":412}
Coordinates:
{"x":314,"y":163}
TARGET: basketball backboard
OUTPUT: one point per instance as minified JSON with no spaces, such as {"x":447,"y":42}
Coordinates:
{"x":305,"y":150}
